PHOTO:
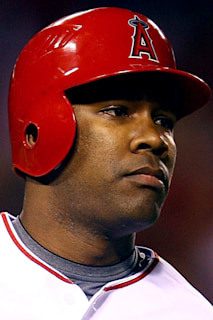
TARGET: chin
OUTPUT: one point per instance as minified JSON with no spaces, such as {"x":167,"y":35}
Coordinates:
{"x":134,"y":223}
{"x":146,"y":222}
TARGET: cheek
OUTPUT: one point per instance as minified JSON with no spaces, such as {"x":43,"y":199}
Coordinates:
{"x":172,"y":153}
{"x":97,"y":148}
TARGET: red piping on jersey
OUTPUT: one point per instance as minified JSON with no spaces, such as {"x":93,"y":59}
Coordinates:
{"x":141,"y":276}
{"x":61,"y":277}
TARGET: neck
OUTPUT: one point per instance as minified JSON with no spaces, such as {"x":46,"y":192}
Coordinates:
{"x":53,"y":230}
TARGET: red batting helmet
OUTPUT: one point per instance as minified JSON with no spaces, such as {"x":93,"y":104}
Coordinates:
{"x":75,"y":50}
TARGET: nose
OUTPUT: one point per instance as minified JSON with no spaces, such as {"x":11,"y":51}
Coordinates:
{"x":148,"y":136}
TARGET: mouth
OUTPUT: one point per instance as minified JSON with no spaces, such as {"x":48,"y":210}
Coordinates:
{"x":149,"y":177}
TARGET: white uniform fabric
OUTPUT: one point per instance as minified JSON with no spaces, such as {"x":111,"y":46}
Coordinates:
{"x":32,"y":290}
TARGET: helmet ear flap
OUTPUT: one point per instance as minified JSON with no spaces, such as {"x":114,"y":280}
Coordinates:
{"x":45,"y":136}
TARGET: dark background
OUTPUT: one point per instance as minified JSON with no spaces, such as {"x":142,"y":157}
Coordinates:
{"x":183,"y":235}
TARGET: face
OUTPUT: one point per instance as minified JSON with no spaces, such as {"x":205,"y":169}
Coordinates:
{"x":120,"y":171}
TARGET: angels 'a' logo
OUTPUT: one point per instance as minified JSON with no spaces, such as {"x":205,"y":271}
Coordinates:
{"x":141,"y":41}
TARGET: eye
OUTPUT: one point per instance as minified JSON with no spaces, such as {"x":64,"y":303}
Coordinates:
{"x":116,"y":111}
{"x":166,"y":122}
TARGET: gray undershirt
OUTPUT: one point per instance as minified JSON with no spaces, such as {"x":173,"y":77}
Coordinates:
{"x":89,"y":278}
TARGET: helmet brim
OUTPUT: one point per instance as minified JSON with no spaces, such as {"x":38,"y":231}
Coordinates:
{"x":194,"y":93}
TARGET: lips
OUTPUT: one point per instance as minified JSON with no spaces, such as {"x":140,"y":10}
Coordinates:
{"x":149,"y":177}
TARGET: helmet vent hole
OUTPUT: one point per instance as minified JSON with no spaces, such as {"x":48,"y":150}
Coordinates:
{"x":31,"y":135}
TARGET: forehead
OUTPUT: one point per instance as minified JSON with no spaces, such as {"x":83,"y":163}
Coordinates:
{"x":154,"y":86}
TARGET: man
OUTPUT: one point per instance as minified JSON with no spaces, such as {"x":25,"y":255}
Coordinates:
{"x":93,"y":102}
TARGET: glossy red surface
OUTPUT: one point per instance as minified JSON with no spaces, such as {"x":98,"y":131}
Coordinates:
{"x":77,"y":49}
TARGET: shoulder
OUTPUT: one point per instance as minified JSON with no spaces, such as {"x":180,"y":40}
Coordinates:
{"x":171,"y":284}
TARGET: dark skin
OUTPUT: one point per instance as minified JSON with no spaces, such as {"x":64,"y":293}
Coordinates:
{"x":114,"y":184}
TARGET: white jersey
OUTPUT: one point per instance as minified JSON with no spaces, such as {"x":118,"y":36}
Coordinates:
{"x":32,"y":290}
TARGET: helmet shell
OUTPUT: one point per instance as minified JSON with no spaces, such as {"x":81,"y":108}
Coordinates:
{"x":75,"y":50}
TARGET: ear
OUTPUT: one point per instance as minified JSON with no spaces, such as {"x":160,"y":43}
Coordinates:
{"x":31,"y":135}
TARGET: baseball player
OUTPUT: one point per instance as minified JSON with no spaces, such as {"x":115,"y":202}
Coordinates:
{"x":93,"y":102}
